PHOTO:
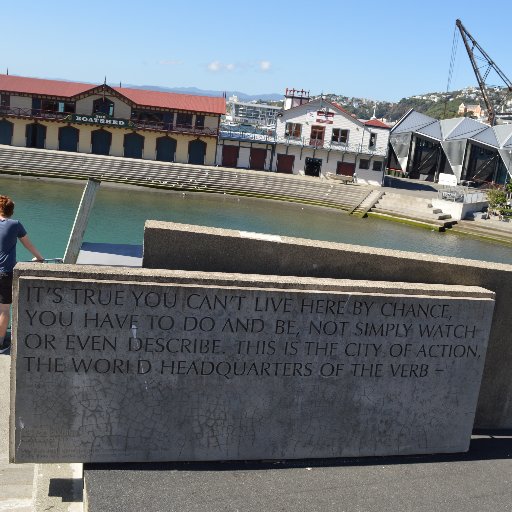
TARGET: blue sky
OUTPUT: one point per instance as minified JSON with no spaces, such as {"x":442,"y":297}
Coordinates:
{"x":373,"y":49}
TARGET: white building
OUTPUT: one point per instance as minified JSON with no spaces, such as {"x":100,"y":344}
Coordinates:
{"x":254,"y":113}
{"x":319,"y":136}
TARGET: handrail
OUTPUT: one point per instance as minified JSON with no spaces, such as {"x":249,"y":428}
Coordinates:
{"x":300,"y":141}
{"x":33,"y":112}
{"x":461,"y":194}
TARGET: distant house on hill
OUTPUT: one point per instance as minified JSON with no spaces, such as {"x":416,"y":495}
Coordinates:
{"x":465,"y":110}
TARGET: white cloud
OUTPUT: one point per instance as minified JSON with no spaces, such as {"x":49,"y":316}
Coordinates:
{"x":215,"y":66}
{"x":262,"y":65}
{"x":170,"y":62}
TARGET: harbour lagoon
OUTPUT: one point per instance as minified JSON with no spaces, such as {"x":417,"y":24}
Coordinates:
{"x":47,"y":209}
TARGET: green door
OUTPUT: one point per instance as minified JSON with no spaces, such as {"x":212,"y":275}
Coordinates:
{"x":6,"y":129}
{"x":165,"y":149}
{"x":133,"y":145}
{"x":36,"y":135}
{"x":196,"y":152}
{"x":68,"y":138}
{"x":100,"y":142}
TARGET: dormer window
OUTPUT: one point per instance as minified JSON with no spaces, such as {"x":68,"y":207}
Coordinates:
{"x":103,"y":106}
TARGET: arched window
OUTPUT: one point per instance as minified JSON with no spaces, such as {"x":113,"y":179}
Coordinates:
{"x":6,"y":129}
{"x":68,"y":138}
{"x":36,"y":135}
{"x":100,"y":142}
{"x":196,"y":152}
{"x":103,"y":106}
{"x":133,"y":145}
{"x":165,"y":149}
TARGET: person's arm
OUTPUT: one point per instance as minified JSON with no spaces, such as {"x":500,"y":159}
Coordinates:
{"x":25,"y":240}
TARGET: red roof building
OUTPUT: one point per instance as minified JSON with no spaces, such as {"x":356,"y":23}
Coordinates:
{"x":10,"y":84}
{"x":101,"y":119}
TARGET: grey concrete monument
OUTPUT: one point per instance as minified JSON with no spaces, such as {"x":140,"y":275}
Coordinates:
{"x":189,"y":247}
{"x":117,"y":365}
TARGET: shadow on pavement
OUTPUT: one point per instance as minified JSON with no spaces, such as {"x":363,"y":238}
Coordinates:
{"x":495,"y":445}
{"x":66,"y":488}
{"x":390,"y":181}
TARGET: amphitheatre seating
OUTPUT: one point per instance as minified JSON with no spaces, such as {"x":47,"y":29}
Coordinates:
{"x":182,"y":177}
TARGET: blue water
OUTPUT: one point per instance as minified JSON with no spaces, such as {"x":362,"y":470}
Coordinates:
{"x":47,"y":210}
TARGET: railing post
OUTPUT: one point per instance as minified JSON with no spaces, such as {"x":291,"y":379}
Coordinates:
{"x":81,"y":220}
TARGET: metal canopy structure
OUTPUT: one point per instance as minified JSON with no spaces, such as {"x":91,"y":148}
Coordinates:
{"x":463,"y":141}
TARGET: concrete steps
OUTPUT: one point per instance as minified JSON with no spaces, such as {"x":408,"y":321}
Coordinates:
{"x":369,"y":202}
{"x":438,"y":225}
{"x":492,"y":232}
{"x":417,"y":210}
{"x":182,"y":177}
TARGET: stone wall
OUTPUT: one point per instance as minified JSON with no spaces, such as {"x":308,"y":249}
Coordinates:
{"x":132,"y":365}
{"x":179,"y":246}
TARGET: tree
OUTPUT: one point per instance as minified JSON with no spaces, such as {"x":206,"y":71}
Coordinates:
{"x":497,"y":199}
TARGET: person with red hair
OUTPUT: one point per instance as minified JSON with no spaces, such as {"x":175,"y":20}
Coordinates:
{"x":10,"y":231}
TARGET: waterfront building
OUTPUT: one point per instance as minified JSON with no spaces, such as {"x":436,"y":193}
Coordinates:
{"x":312,"y":137}
{"x":458,"y":150}
{"x":319,"y":136}
{"x":105,"y":120}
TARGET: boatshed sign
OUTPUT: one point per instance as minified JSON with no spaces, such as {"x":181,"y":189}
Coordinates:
{"x":99,"y":119}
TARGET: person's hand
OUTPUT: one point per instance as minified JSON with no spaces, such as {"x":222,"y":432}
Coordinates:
{"x":39,"y":260}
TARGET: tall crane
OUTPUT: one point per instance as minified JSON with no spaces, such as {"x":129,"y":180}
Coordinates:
{"x":467,"y":38}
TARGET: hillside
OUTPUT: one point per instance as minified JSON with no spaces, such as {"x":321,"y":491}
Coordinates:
{"x":440,"y":105}
{"x":437,"y":104}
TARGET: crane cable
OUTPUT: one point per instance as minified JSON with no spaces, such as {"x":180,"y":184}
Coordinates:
{"x":455,"y":44}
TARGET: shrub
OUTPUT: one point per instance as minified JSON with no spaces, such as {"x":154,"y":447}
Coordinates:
{"x":497,"y":198}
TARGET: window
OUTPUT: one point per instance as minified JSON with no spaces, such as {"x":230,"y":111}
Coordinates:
{"x":364,"y":164}
{"x":377,"y":165}
{"x":293,"y":130}
{"x":5,"y":100}
{"x":57,"y":106}
{"x":373,"y":141}
{"x":317,"y":136}
{"x":103,"y":106}
{"x":183,"y":119}
{"x":339,"y":136}
{"x":199,"y":122}
{"x":147,"y":116}
{"x":69,"y":107}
